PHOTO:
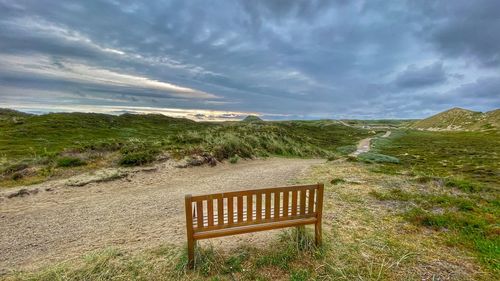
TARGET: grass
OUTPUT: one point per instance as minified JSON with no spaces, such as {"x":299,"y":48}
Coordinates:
{"x":170,"y":263}
{"x":468,"y":220}
{"x":456,"y":190}
{"x":45,"y":142}
{"x":370,"y":157}
{"x":473,"y":156}
{"x":70,"y":162}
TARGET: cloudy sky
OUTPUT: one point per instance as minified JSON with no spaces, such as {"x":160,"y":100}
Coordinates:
{"x":280,"y":59}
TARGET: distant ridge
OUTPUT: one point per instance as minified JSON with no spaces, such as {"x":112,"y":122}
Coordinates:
{"x":252,"y":118}
{"x":6,"y":112}
{"x":459,"y":119}
{"x":11,"y":115}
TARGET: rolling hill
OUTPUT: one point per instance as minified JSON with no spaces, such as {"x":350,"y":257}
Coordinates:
{"x":459,"y":119}
{"x":252,"y":118}
{"x":45,"y":144}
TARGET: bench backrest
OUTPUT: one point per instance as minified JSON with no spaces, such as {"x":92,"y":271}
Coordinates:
{"x":251,"y":207}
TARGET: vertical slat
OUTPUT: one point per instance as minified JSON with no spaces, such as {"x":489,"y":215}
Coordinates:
{"x":230,"y":211}
{"x":250,"y":207}
{"x":285,"y":204}
{"x":189,"y":229}
{"x":276,"y":205}
{"x":268,"y":205}
{"x":220,"y":210}
{"x":210,"y":211}
{"x":240,"y":208}
{"x":310,"y":208}
{"x":199,"y":214}
{"x":303,"y":201}
{"x":258,"y":207}
{"x":294,"y":202}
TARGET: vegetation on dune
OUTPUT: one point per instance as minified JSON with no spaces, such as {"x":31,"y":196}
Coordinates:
{"x":458,"y":119}
{"x":70,"y":162}
{"x":370,"y":157}
{"x":347,"y":149}
{"x":457,"y":186}
{"x":466,"y":219}
{"x":252,"y":118}
{"x":381,"y":123}
{"x":40,"y":142}
{"x":473,"y":156}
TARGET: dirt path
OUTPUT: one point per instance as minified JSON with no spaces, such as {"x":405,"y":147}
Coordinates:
{"x":142,"y":211}
{"x":364,"y":145}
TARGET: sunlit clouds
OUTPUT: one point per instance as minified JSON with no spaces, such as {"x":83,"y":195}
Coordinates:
{"x":301,"y":59}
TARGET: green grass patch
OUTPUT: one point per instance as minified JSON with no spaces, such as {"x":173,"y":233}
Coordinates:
{"x":471,"y":156}
{"x":346,"y":149}
{"x":467,"y":220}
{"x":70,"y":162}
{"x":137,"y":158}
{"x":234,"y":159}
{"x":336,"y":181}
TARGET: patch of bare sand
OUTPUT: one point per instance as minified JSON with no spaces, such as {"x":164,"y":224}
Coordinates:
{"x":143,"y":210}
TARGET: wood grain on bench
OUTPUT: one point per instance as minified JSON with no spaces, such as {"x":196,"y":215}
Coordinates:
{"x":237,"y":212}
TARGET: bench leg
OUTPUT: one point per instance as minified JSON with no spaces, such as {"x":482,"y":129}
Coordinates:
{"x":317,"y":233}
{"x":190,"y":253}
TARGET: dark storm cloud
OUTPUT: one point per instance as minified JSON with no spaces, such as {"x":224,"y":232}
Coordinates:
{"x":413,"y":77}
{"x":284,"y":59}
{"x":464,"y":28}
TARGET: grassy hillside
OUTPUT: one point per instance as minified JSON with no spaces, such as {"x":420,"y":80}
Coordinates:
{"x":252,"y":118}
{"x":39,"y":147}
{"x":458,"y":119}
{"x":474,"y":156}
{"x":454,"y":187}
{"x":382,"y":123}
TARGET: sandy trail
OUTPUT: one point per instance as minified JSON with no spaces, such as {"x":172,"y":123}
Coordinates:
{"x":364,"y":145}
{"x":143,"y":211}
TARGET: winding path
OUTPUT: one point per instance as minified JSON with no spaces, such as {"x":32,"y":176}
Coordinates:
{"x":364,"y":145}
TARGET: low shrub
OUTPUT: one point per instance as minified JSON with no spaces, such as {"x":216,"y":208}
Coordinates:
{"x":346,"y":149}
{"x":351,"y":159}
{"x":332,"y":157}
{"x":427,"y":179}
{"x":11,"y":169}
{"x":234,"y":159}
{"x":70,"y":162}
{"x":336,"y":181}
{"x":464,"y":185}
{"x":137,"y":158}
{"x":370,"y":157}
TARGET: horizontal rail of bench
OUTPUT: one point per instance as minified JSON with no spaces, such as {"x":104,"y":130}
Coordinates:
{"x":254,"y":212}
{"x":253,"y":228}
{"x":196,"y":198}
{"x":246,"y":223}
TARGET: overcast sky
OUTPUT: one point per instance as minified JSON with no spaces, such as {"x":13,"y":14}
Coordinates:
{"x":222,"y":59}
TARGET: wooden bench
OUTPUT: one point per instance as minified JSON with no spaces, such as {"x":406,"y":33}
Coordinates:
{"x":229,"y":213}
